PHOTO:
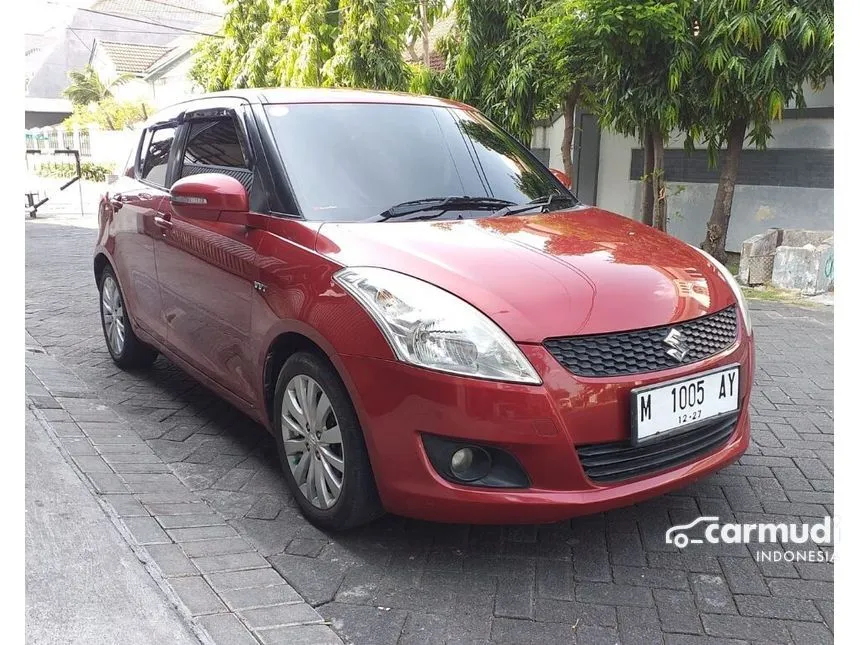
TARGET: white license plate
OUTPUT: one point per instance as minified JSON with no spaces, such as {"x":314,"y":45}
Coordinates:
{"x":667,"y":407}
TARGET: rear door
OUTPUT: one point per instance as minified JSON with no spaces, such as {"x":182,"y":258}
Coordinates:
{"x":137,"y":201}
{"x":207,"y":269}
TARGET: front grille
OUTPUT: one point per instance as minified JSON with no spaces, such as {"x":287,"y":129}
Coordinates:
{"x":635,"y":352}
{"x":610,"y":462}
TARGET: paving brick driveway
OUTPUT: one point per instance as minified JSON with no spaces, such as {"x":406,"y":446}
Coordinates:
{"x":601,"y":579}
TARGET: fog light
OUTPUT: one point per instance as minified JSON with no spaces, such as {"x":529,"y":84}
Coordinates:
{"x":470,"y":464}
{"x":461,"y":462}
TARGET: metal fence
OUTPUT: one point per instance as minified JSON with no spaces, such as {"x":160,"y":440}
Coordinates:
{"x":94,"y":144}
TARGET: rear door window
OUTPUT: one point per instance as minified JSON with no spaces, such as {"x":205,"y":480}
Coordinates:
{"x":155,"y":155}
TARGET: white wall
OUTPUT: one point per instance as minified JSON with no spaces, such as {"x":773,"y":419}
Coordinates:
{"x":550,"y":137}
{"x":135,"y":90}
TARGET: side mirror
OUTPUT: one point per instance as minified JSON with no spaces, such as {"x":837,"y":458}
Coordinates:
{"x":561,"y":176}
{"x":211,"y":197}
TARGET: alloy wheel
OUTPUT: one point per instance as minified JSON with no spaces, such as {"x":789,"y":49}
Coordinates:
{"x":312,"y":441}
{"x":113,"y":315}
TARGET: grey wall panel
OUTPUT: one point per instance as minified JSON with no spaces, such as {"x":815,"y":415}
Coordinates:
{"x":800,"y":167}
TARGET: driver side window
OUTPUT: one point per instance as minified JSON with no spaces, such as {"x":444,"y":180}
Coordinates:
{"x":216,"y":145}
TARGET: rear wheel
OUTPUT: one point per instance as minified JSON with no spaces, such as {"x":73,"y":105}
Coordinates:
{"x":321,"y":445}
{"x":126,"y":349}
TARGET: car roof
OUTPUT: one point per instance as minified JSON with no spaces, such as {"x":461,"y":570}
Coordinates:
{"x":293,"y":95}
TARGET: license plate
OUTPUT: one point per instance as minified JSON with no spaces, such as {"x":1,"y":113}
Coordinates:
{"x":669,"y":407}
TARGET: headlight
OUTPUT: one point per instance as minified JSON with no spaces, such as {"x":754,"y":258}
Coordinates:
{"x":429,"y":327}
{"x":736,"y":289}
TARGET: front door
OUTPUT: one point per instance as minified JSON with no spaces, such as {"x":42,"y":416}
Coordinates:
{"x":206,"y":270}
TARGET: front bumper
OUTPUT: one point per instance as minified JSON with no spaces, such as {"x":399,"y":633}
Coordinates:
{"x":539,"y":425}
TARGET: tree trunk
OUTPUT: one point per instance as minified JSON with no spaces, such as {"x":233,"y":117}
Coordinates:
{"x":425,"y":32}
{"x":647,"y":171}
{"x":718,"y":225}
{"x":570,"y":101}
{"x":659,"y":182}
{"x":410,"y":46}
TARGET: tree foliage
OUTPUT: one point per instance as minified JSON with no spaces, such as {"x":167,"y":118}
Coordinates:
{"x":487,"y":66}
{"x":561,"y":44}
{"x":719,"y":71}
{"x":419,"y":17}
{"x":368,"y":50}
{"x":309,"y":43}
{"x":86,"y":87}
{"x":109,"y":114}
{"x":248,"y":44}
{"x":753,"y":57}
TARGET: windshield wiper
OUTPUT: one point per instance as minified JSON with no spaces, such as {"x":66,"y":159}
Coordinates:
{"x":543,"y":203}
{"x":442,"y":204}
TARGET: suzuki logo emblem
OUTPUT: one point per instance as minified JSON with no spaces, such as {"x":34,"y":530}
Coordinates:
{"x":678,"y":344}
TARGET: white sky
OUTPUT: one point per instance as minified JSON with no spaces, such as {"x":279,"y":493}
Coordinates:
{"x":43,"y":15}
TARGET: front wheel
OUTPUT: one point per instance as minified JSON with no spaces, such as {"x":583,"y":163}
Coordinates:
{"x":321,"y":445}
{"x":126,"y":349}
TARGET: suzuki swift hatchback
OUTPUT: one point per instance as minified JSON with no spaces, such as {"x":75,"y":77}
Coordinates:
{"x":424,"y":316}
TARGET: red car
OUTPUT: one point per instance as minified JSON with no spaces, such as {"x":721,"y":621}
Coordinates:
{"x":423,"y":315}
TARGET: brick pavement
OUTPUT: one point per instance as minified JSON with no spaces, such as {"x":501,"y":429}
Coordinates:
{"x":605,"y":578}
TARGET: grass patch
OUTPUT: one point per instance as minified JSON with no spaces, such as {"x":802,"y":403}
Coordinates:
{"x":770,"y":293}
{"x":773,"y":294}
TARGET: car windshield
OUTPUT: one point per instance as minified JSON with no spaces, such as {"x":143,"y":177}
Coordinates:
{"x":353,"y":161}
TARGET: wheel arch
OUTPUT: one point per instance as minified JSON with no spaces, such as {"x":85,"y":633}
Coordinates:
{"x":100,"y":262}
{"x":281,"y":347}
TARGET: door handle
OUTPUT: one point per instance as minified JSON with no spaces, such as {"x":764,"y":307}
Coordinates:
{"x":161,"y":222}
{"x":117,"y":200}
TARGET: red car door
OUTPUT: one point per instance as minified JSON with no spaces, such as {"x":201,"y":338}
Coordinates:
{"x":206,"y":270}
{"x":137,"y":200}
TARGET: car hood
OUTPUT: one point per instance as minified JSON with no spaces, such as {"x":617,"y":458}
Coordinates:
{"x":573,"y":272}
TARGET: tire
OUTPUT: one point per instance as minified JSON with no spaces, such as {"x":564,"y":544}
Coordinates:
{"x":126,"y":349}
{"x":308,"y":446}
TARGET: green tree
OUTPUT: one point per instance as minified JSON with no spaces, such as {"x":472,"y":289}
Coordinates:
{"x":309,"y":43}
{"x":109,"y":114}
{"x":488,"y":69}
{"x":368,"y":47}
{"x":561,"y":44}
{"x":249,"y":40}
{"x":295,"y":43}
{"x":753,"y":57}
{"x":646,"y":53}
{"x":86,"y":87}
{"x":420,"y":17}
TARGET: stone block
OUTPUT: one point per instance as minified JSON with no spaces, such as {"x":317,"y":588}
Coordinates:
{"x":762,"y":244}
{"x":808,"y":269}
{"x":757,"y":257}
{"x":802,"y":237}
{"x":760,"y":270}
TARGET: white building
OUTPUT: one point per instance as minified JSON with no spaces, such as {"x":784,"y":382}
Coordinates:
{"x":160,"y":72}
